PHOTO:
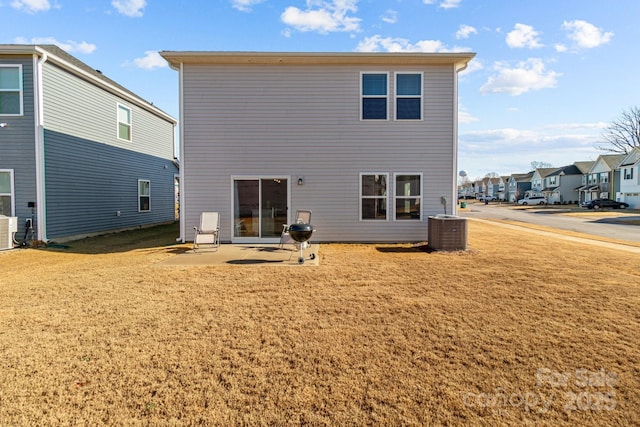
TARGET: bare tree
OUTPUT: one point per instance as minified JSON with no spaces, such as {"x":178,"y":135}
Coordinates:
{"x":623,"y":134}
{"x":536,"y":165}
{"x":492,"y":175}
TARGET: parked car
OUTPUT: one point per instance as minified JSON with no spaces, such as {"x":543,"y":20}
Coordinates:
{"x":604,"y":203}
{"x":533,"y":200}
{"x":487,"y":198}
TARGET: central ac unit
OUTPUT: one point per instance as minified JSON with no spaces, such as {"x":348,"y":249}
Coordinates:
{"x":8,"y":227}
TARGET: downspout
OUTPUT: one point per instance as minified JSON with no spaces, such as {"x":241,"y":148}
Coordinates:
{"x":38,"y":109}
{"x":183,"y":206}
{"x":454,"y":193}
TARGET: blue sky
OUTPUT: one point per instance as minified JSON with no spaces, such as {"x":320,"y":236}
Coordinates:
{"x":548,"y":75}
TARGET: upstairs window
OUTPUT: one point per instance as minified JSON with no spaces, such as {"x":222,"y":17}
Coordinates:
{"x":144,"y":195}
{"x":408,"y":96}
{"x":628,"y":173}
{"x":374,"y":93}
{"x":124,"y":123}
{"x":11,"y":90}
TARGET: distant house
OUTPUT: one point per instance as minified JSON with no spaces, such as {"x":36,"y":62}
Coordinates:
{"x":517,"y":185}
{"x":79,"y":154}
{"x":502,"y":188}
{"x":629,"y":172}
{"x":602,"y":181}
{"x":538,"y":181}
{"x":367,"y":141}
{"x":584,"y":168}
{"x":561,"y":186}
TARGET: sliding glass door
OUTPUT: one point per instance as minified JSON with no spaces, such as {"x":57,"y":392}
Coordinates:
{"x":259,"y":208}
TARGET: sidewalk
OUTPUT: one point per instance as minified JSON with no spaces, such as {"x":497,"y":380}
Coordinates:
{"x":559,"y":234}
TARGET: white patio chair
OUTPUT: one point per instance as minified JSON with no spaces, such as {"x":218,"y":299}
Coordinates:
{"x":208,"y":232}
{"x":302,"y":217}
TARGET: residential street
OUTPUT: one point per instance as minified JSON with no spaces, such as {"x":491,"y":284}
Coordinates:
{"x":605,"y":225}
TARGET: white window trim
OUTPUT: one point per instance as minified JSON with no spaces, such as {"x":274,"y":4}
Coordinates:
{"x":396,"y":197}
{"x":362,"y":96}
{"x":361,"y":197}
{"x":12,"y":190}
{"x":395,"y":109}
{"x":130,"y":124}
{"x":20,"y":89}
{"x":141,"y":195}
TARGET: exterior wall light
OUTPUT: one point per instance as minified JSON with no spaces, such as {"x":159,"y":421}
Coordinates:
{"x":300,"y":180}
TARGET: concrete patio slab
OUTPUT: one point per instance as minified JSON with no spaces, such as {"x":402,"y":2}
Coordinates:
{"x":246,"y":254}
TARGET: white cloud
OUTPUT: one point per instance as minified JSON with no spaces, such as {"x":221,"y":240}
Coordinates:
{"x":131,"y":8}
{"x":586,"y":35}
{"x":526,"y":76}
{"x":151,"y":60}
{"x":445,"y":4}
{"x":561,"y":48}
{"x":69,"y":46}
{"x":450,"y":4}
{"x":465,"y":117}
{"x":31,"y":6}
{"x":465,"y":31}
{"x":245,"y":5}
{"x":510,"y":150}
{"x":523,"y":36}
{"x":395,"y":44}
{"x":323,"y":16}
{"x":390,"y":16}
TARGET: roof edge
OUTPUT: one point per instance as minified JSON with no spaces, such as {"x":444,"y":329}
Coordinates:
{"x":314,"y":58}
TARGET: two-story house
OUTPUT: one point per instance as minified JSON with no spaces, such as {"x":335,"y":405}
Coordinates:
{"x":517,"y":185}
{"x":601,"y":180}
{"x":367,"y":141}
{"x":537,"y":181}
{"x":561,"y":186}
{"x":79,"y":154}
{"x":629,"y":172}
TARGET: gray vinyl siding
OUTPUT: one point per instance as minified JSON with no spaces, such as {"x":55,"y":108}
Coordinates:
{"x":17,"y":144}
{"x":77,"y":107}
{"x":85,"y":188}
{"x":292,"y":121}
{"x":90,"y":174}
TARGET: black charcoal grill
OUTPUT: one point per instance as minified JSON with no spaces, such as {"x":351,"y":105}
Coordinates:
{"x":301,"y":233}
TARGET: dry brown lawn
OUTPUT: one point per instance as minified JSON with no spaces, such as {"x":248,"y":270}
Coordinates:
{"x":519,"y":330}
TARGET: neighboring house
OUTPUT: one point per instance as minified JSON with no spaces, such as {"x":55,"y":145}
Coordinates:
{"x":502,"y":188}
{"x":479,"y":188}
{"x":537,"y":181}
{"x":602,"y":181}
{"x":629,"y":172}
{"x":79,"y":154}
{"x":517,"y":185}
{"x":561,"y":186}
{"x":584,"y":168}
{"x":367,"y":141}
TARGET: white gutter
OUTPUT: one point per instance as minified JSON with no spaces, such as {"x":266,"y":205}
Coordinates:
{"x":38,"y":110}
{"x":183,"y":210}
{"x":454,"y":194}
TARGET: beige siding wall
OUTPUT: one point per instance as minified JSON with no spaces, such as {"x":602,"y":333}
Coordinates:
{"x":73,"y":106}
{"x":305,"y":121}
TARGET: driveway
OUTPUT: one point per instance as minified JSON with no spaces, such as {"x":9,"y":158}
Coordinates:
{"x":614,"y":224}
